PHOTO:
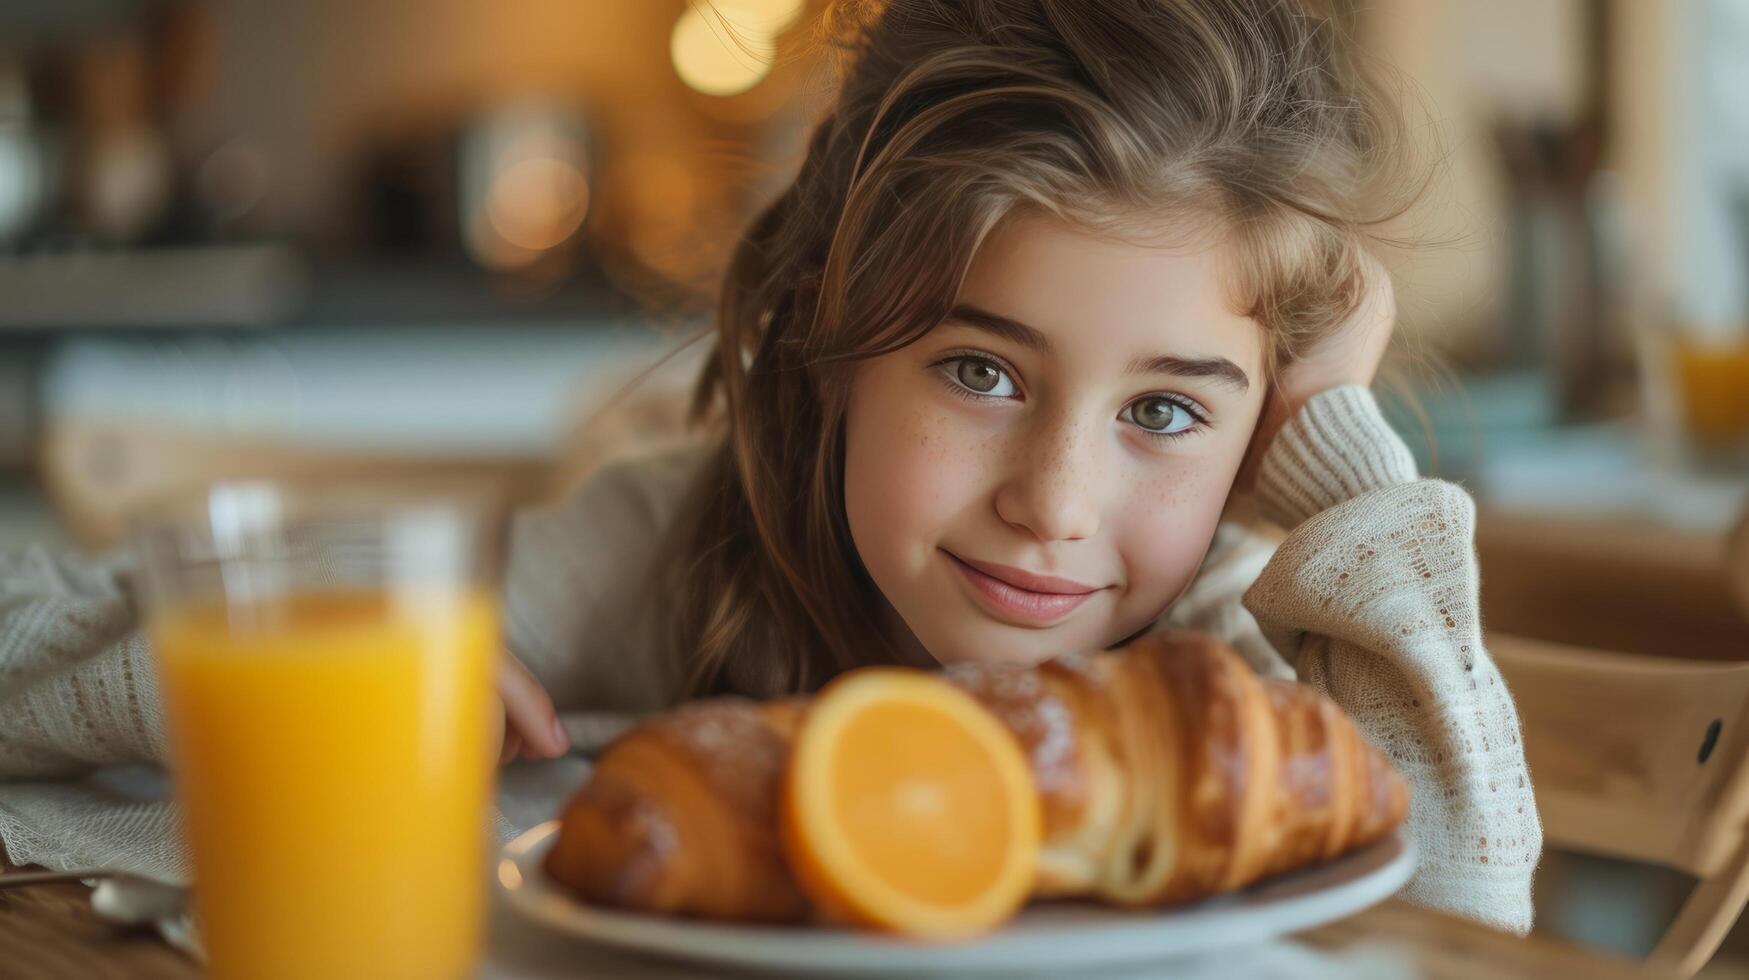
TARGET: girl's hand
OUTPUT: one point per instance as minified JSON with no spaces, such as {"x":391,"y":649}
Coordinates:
{"x":1350,"y":355}
{"x":531,"y":727}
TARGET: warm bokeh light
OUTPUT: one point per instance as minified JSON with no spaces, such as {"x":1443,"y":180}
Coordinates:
{"x":664,"y":200}
{"x":534,"y":192}
{"x":725,"y":47}
{"x":537,"y":203}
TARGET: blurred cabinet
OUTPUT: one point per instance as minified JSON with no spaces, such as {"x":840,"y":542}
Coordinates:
{"x":1630,"y":586}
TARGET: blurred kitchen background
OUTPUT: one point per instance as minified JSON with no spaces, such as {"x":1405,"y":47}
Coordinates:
{"x":420,"y":236}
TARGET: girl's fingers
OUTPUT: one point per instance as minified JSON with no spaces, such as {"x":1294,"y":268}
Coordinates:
{"x":512,"y":745}
{"x":529,"y":710}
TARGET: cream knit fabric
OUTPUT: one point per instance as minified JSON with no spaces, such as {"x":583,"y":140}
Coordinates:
{"x":1374,"y":599}
{"x":1371,"y":596}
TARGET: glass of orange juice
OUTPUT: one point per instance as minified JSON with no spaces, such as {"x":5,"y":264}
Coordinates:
{"x":1714,"y":380}
{"x":326,"y":657}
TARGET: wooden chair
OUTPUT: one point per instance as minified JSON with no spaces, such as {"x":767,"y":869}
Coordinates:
{"x":1644,"y":755}
{"x":97,"y":472}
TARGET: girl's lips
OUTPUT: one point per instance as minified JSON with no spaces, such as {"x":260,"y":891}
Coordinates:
{"x":1018,"y":605}
{"x":1020,"y":578}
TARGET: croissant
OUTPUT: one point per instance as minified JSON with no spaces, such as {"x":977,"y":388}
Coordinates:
{"x":1167,"y":771}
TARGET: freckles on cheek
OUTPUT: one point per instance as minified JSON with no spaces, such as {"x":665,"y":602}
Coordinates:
{"x":910,"y":477}
{"x":910,"y":465}
{"x":1172,"y":518}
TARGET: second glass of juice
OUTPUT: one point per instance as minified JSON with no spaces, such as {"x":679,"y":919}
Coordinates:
{"x":326,"y":656}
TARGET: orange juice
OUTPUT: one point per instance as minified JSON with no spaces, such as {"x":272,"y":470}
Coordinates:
{"x":1715,"y":390}
{"x":330,"y":752}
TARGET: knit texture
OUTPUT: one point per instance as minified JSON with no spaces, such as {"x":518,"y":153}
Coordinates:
{"x":1371,"y":597}
{"x":77,"y":687}
{"x":1335,"y":448}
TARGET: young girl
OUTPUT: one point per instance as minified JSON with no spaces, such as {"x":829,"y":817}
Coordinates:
{"x":1058,"y":281}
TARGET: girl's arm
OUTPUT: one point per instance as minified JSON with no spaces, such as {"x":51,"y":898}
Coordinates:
{"x":579,"y":611}
{"x":78,"y":689}
{"x":1373,"y":597}
{"x":78,"y":685}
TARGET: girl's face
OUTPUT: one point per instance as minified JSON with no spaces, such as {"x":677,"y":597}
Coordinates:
{"x":1042,"y":473}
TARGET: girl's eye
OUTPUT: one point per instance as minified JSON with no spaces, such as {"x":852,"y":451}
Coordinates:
{"x":981,"y":376}
{"x":1161,"y":416}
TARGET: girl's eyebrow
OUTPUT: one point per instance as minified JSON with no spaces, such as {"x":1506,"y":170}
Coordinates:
{"x":1004,"y":327}
{"x":1216,"y":368}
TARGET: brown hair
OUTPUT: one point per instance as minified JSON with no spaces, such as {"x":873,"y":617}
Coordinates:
{"x":1119,"y":115}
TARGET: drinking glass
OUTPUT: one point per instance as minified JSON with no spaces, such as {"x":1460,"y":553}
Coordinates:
{"x":326,"y":655}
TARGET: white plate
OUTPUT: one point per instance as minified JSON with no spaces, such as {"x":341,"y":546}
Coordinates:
{"x":1045,"y":936}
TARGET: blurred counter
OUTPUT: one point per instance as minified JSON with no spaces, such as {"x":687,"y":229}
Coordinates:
{"x":485,"y":390}
{"x":125,"y":417}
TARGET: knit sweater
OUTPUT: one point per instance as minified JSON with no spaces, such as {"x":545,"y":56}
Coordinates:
{"x":1371,"y":597}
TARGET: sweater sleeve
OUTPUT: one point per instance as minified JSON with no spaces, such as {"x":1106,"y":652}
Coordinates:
{"x":578,"y":607}
{"x":1373,"y":597}
{"x":78,"y":690}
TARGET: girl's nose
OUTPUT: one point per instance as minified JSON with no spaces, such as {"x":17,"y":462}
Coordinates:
{"x":1052,"y":487}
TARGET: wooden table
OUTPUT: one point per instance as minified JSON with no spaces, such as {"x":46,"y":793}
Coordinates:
{"x":50,"y":931}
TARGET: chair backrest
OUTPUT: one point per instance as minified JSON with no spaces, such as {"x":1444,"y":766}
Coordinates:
{"x":1633,"y":756}
{"x":97,"y":472}
{"x":1644,"y":758}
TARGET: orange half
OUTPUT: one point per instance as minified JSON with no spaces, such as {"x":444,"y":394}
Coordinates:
{"x":909,"y":807}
